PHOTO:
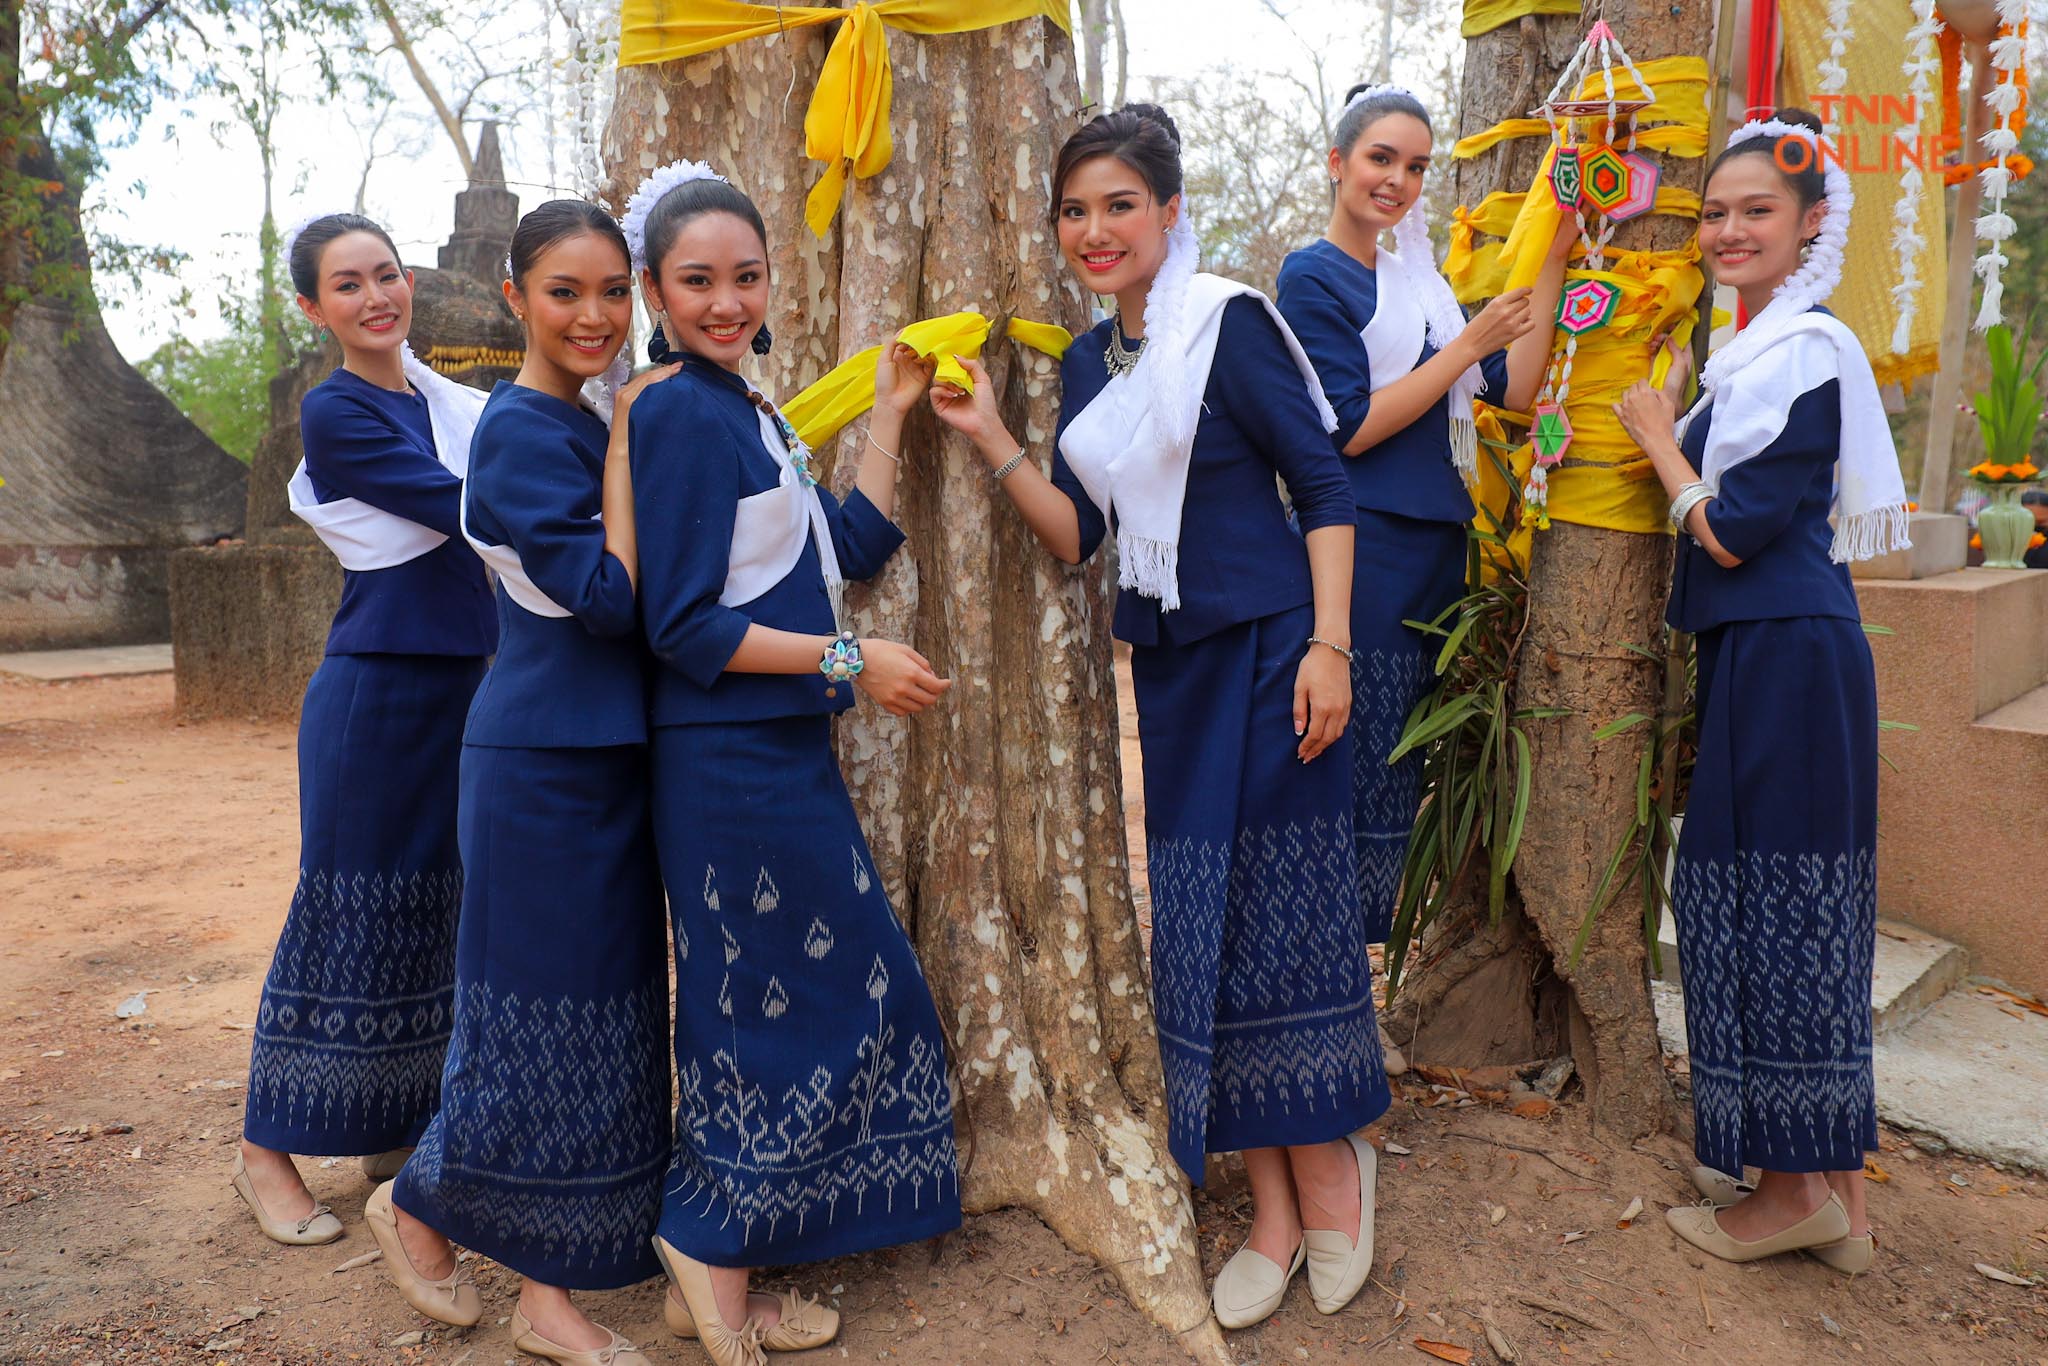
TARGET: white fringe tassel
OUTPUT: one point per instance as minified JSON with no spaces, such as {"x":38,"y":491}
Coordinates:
{"x":1869,"y":534}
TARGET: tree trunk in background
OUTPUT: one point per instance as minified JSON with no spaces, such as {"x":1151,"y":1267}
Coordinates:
{"x":13,"y":268}
{"x":1593,"y":593}
{"x":997,"y":818}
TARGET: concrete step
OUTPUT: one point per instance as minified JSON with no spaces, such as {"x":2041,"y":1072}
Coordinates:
{"x":1910,"y":970}
{"x":2027,"y":713}
{"x":58,"y":666}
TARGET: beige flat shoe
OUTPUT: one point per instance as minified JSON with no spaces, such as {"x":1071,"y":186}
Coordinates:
{"x":316,"y":1228}
{"x":805,"y":1323}
{"x":692,"y":1281}
{"x":1701,"y":1226}
{"x":1337,"y":1267}
{"x":451,"y":1300}
{"x":1251,"y":1285}
{"x":1852,"y":1256}
{"x":1719,"y":1187}
{"x":617,"y":1352}
{"x":382,"y":1167}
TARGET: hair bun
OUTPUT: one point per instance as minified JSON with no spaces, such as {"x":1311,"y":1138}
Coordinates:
{"x":1799,"y":118}
{"x":1152,"y":113}
{"x":1355,"y":91}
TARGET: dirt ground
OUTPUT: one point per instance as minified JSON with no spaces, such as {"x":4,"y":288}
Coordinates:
{"x":140,"y":856}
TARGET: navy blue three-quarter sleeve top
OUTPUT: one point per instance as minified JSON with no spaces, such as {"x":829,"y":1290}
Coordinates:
{"x":1239,"y":558}
{"x":1328,"y":297}
{"x":377,"y":446}
{"x":536,"y":485}
{"x":1771,"y":512}
{"x":697,"y":450}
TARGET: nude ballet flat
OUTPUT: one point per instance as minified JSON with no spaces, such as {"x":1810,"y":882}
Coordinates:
{"x":1852,"y":1256}
{"x":451,"y":1300}
{"x":692,"y":1280}
{"x":382,"y":1167}
{"x":1251,"y":1285}
{"x":1700,"y":1226}
{"x":805,"y":1323}
{"x":1337,"y":1267}
{"x":316,"y":1228}
{"x":1719,"y":1187}
{"x":617,"y":1352}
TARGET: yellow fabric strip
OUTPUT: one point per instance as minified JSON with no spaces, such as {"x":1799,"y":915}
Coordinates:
{"x":1678,"y":111}
{"x":847,"y":123}
{"x":1680,"y":140}
{"x":1484,"y":16}
{"x":848,"y":390}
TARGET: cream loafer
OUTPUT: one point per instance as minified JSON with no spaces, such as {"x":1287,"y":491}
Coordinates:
{"x":617,"y":1352}
{"x":1337,"y":1267}
{"x":316,"y":1228}
{"x":692,"y":1281}
{"x":1852,"y":1256}
{"x":1719,"y":1187}
{"x":805,"y":1323}
{"x":1700,"y":1226}
{"x":1251,"y":1285}
{"x":451,"y":1299}
{"x":382,"y":1167}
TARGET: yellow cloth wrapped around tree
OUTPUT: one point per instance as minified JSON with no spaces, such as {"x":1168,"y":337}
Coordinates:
{"x":847,"y":123}
{"x":1677,"y":113}
{"x":1484,"y":16}
{"x":848,"y":389}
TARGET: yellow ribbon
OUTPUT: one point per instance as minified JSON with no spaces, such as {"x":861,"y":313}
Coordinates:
{"x":1678,"y":109}
{"x":1484,"y":16}
{"x":847,"y":123}
{"x":848,"y":390}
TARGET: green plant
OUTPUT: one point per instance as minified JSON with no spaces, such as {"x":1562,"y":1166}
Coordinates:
{"x":2009,"y":412}
{"x":1476,"y":761}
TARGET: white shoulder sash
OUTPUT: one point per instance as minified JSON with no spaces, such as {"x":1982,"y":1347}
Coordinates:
{"x":366,"y":537}
{"x":1393,"y":339}
{"x":769,"y":530}
{"x":504,"y":562}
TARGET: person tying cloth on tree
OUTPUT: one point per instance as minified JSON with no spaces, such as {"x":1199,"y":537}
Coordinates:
{"x":1775,"y":883}
{"x":1177,"y":415}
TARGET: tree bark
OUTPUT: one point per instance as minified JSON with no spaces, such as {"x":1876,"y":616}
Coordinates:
{"x":1593,"y":594}
{"x":450,"y":122}
{"x":996,"y":820}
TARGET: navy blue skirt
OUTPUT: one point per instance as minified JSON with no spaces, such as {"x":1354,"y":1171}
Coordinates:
{"x":1775,"y":895}
{"x":549,"y":1149}
{"x":1406,"y":570}
{"x":1260,"y":978}
{"x":815,"y":1114}
{"x":355,"y":1012}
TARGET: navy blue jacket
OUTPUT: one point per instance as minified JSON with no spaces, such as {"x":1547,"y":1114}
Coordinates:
{"x":1239,"y":558}
{"x":377,"y":446}
{"x":1772,"y":513}
{"x":536,"y":484}
{"x":697,"y":450}
{"x":1328,"y":297}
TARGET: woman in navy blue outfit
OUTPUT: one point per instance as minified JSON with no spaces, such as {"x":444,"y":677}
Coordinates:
{"x":1775,"y":883}
{"x":550,"y":1143}
{"x":1401,"y":367}
{"x":815,"y":1114}
{"x":1177,"y":416}
{"x":355,"y":1013}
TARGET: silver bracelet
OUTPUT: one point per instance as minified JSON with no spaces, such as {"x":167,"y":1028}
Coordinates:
{"x":883,"y":449}
{"x":1689,"y":497}
{"x":1009,"y":467}
{"x":1318,"y":640}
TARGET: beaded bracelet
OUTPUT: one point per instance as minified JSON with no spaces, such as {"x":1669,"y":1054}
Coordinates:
{"x":1318,"y":640}
{"x":1009,"y":467}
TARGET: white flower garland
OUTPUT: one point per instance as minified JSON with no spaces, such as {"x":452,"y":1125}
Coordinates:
{"x":1922,"y":64}
{"x":1995,"y":225}
{"x":658,"y":183}
{"x":1840,"y":33}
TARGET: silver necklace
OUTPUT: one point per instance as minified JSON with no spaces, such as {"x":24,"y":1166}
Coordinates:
{"x":1121,"y":357}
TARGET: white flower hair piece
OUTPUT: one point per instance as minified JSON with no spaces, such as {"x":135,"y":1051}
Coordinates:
{"x":290,"y":237}
{"x":651,"y":192}
{"x":1813,"y":282}
{"x":1442,"y":317}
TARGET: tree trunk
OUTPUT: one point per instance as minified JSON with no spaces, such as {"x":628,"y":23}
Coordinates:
{"x":1593,"y":594}
{"x":13,"y":266}
{"x":997,"y":819}
{"x":1093,"y":19}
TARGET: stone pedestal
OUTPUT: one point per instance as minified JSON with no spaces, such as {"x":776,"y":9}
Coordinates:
{"x":1966,"y":662}
{"x":249,"y":628}
{"x":1941,"y":544}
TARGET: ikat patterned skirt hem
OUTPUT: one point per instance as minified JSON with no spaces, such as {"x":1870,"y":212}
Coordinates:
{"x":1260,"y":977}
{"x":553,"y":1135}
{"x":355,"y":1012}
{"x":1775,"y":896}
{"x":815,"y":1114}
{"x":1406,"y":570}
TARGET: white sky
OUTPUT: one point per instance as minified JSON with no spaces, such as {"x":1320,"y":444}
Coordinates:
{"x":194,"y":186}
